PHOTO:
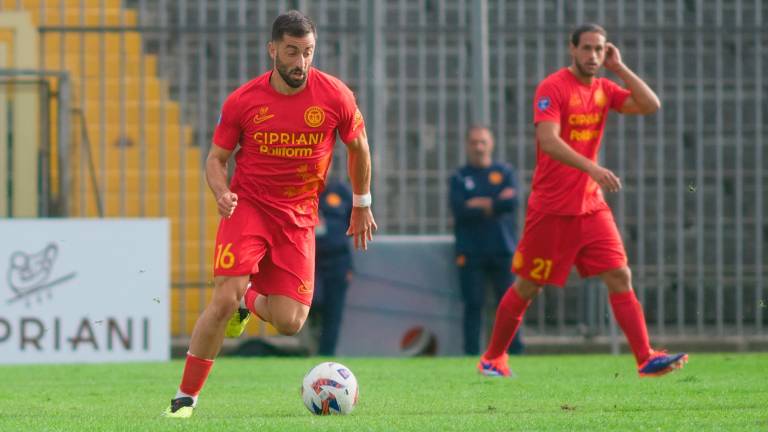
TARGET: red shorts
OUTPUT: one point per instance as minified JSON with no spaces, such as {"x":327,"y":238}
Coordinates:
{"x":280,"y":259}
{"x":551,"y":244}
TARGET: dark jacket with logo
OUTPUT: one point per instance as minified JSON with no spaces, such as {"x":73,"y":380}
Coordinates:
{"x":476,"y":233}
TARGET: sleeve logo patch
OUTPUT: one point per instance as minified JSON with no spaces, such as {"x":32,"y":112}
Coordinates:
{"x":543,"y":103}
{"x":358,"y":120}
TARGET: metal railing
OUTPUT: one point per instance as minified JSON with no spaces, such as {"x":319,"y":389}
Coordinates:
{"x":53,"y":116}
{"x":693,"y":209}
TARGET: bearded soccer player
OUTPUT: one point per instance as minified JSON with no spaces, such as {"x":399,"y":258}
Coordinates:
{"x":568,"y":221}
{"x":285,"y":122}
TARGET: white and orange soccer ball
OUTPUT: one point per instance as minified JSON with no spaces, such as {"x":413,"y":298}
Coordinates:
{"x":329,"y":388}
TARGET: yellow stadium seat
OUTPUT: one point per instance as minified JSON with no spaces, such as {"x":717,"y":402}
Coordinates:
{"x":108,"y":67}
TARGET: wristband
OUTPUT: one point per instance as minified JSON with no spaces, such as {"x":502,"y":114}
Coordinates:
{"x":361,"y":200}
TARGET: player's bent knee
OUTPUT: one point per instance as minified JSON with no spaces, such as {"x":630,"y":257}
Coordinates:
{"x":223,"y":308}
{"x":527,"y":289}
{"x":288,"y":327}
{"x":620,"y":275}
{"x":618,"y":280}
{"x":226,"y":294}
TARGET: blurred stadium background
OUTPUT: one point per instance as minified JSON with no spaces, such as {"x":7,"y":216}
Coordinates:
{"x":107,"y":108}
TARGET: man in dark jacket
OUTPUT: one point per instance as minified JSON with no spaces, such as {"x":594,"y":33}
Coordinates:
{"x":483,"y":200}
{"x":333,"y":261}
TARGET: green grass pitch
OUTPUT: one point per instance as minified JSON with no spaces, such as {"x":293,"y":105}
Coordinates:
{"x":584,"y":392}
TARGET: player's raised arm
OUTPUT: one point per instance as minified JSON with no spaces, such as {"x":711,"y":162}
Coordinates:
{"x":548,"y":136}
{"x":642,"y":99}
{"x":216,"y":175}
{"x":361,"y":224}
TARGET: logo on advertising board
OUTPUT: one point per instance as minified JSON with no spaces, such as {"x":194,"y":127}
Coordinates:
{"x":62,"y":302}
{"x":34,"y":275}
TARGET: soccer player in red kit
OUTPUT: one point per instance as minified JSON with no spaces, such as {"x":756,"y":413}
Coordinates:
{"x":285,"y":122}
{"x":568,"y":221}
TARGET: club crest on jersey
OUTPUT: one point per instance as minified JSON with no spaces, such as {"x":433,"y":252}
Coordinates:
{"x":495,"y":178}
{"x":263,"y":115}
{"x":314,"y":116}
{"x":543,"y":103}
{"x":600,"y":99}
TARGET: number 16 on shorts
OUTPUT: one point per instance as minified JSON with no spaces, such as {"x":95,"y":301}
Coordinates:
{"x":225,"y":259}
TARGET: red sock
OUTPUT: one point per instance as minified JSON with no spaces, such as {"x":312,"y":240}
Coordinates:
{"x":250,"y":300}
{"x":629,"y":315}
{"x":195,"y":373}
{"x":509,"y":314}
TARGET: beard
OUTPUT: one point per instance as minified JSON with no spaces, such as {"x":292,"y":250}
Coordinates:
{"x":584,"y":71}
{"x":286,"y":71}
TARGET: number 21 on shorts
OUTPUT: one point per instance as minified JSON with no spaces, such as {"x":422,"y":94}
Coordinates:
{"x":541,"y":269}
{"x":224,"y":257}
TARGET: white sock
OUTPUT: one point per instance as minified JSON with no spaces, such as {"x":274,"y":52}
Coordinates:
{"x":180,"y":394}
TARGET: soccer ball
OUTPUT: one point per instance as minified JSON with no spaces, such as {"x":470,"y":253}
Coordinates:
{"x":329,"y":388}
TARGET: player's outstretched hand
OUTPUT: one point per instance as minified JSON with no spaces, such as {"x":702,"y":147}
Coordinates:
{"x":605,"y":178}
{"x":361,"y":227}
{"x":612,"y":57}
{"x":226,"y":204}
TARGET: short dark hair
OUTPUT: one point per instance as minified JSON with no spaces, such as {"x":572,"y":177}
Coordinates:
{"x":478,"y":126}
{"x":586,"y":28}
{"x":293,"y":23}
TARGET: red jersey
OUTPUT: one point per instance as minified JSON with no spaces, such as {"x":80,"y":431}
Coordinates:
{"x":286,"y":142}
{"x":581,"y":111}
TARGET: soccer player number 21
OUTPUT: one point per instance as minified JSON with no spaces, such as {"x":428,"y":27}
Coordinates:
{"x":539,"y":266}
{"x":224,"y":258}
